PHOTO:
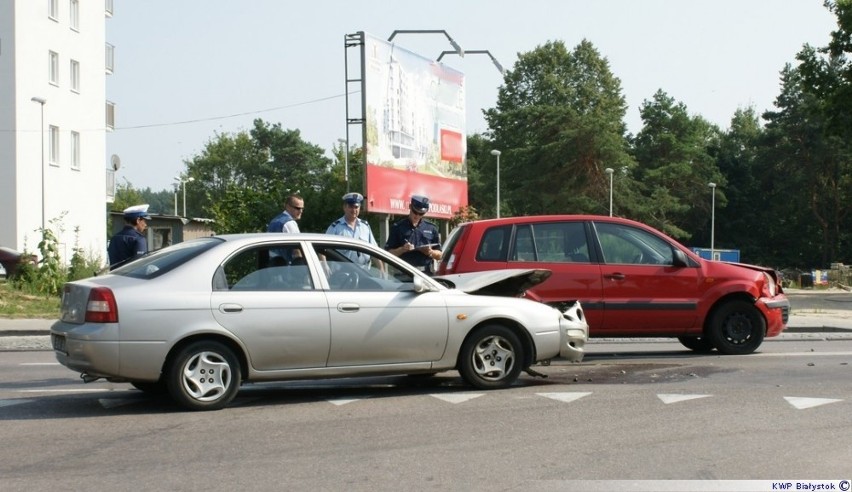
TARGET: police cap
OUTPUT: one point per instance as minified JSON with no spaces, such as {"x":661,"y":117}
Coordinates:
{"x":420,"y":204}
{"x":136,"y":212}
{"x":353,"y":198}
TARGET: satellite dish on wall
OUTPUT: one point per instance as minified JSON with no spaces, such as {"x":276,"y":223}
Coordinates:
{"x":115,"y":161}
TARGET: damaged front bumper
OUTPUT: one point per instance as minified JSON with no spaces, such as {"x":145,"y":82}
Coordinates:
{"x":574,"y":331}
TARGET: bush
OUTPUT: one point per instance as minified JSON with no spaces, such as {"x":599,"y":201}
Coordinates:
{"x":83,"y":265}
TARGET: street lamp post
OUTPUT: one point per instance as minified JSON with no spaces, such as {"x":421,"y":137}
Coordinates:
{"x":183,"y":183}
{"x":475,"y":52}
{"x":177,"y":186}
{"x":458,"y":49}
{"x":712,"y":220}
{"x":609,"y":171}
{"x":497,"y":153}
{"x":41,"y":101}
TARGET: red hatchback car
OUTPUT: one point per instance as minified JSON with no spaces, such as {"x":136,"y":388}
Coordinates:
{"x":632,"y":280}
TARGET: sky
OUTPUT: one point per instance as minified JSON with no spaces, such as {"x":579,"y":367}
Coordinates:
{"x":190,"y":69}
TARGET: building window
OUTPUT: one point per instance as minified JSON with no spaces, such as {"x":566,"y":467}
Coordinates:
{"x":53,"y":9}
{"x":75,"y":150}
{"x":74,"y":12}
{"x":110,"y":57}
{"x":75,"y":76}
{"x":110,"y":115}
{"x":54,"y":67}
{"x":108,"y":7}
{"x":110,"y":186}
{"x":54,"y":145}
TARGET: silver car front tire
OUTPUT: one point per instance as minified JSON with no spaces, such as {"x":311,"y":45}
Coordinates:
{"x":205,"y":375}
{"x":491,"y":357}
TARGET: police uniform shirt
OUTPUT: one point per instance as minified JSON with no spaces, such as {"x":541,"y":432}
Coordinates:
{"x":361,"y":231}
{"x":283,"y":222}
{"x":424,"y":234}
{"x":125,"y":245}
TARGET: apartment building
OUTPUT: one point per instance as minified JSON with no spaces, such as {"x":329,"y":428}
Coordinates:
{"x":54,"y":117}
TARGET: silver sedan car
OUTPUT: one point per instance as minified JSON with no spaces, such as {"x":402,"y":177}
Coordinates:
{"x":200,"y":318}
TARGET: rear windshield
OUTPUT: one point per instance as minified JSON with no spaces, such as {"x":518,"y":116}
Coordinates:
{"x":161,"y":261}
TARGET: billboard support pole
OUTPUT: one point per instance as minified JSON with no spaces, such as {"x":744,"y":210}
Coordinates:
{"x":355,"y":40}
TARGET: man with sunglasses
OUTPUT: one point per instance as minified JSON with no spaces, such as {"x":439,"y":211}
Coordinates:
{"x":130,"y":242}
{"x":286,"y":220}
{"x":414,"y":239}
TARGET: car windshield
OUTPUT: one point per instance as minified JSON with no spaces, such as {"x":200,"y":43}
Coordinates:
{"x":161,"y":261}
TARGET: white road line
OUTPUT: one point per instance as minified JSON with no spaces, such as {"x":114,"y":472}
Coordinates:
{"x":564,"y":397}
{"x":675,"y":398}
{"x":81,"y":390}
{"x":39,"y":363}
{"x":456,"y":397}
{"x":341,"y":401}
{"x":798,"y":354}
{"x":802,"y":403}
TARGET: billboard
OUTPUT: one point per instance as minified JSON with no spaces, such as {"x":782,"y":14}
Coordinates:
{"x":414,"y":131}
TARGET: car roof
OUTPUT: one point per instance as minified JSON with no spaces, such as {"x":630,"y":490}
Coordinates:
{"x":525,"y":219}
{"x":535,"y":219}
{"x":302,"y":236}
{"x":299,"y":235}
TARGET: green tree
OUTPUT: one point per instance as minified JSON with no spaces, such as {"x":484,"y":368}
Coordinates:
{"x":125,"y":196}
{"x":559,"y":123}
{"x":242,"y":180}
{"x":801,"y":168}
{"x":482,"y":178}
{"x":675,"y":166}
{"x":738,"y":160}
{"x":825,"y":80}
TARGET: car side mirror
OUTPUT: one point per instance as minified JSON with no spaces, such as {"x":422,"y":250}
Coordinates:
{"x":679,"y":258}
{"x":420,"y":286}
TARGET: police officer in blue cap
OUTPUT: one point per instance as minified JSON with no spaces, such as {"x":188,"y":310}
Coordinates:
{"x":130,"y":242}
{"x":350,"y":225}
{"x":414,"y":239}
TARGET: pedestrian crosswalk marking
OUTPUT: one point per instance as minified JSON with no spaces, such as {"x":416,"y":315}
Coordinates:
{"x":675,"y":398}
{"x":564,"y":397}
{"x":802,"y":403}
{"x":342,"y":401}
{"x":456,"y":397}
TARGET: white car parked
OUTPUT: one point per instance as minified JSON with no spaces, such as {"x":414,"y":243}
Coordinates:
{"x":199,"y":318}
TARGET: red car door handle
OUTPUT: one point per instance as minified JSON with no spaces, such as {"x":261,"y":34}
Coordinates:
{"x":615,"y":276}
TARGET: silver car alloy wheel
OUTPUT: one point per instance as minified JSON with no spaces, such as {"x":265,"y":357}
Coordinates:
{"x":493,"y":358}
{"x":206,"y":376}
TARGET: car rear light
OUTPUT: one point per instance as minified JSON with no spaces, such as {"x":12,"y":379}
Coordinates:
{"x":101,"y":307}
{"x":449,"y":266}
{"x":451,"y":263}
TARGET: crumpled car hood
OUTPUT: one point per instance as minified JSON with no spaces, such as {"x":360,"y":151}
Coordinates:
{"x":504,"y":283}
{"x":750,"y":267}
{"x":771,"y":271}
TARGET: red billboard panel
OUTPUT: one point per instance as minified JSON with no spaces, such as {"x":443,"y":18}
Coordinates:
{"x":452,"y":146}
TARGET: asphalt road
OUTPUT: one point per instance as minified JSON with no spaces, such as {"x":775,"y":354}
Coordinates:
{"x":635,"y":411}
